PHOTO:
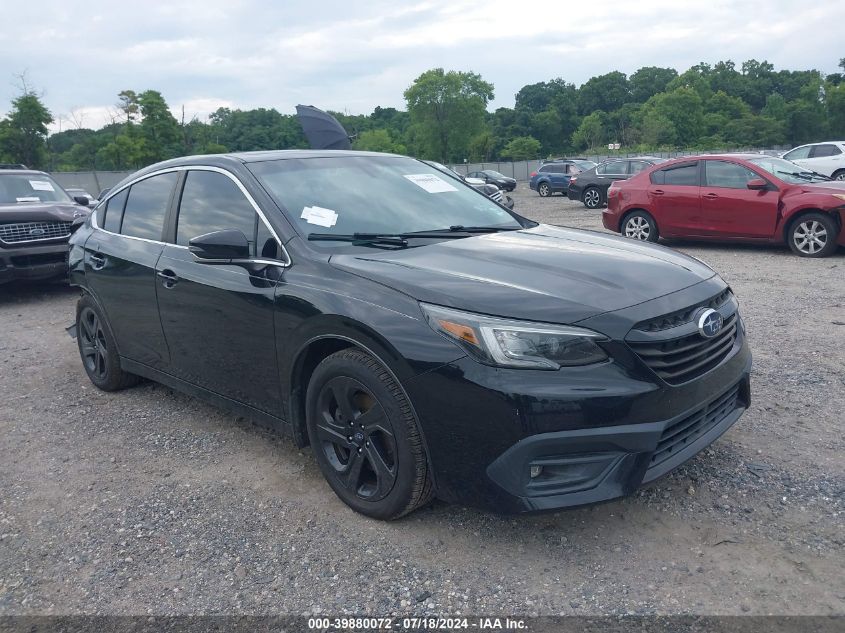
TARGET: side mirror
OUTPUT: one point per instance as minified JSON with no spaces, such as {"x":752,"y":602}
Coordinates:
{"x":220,"y":246}
{"x":81,"y":200}
{"x":757,"y":184}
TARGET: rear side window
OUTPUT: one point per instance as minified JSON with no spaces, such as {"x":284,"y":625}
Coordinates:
{"x":147,"y":206}
{"x":613,"y":168}
{"x":720,"y":173}
{"x":638,"y":165}
{"x":820,"y":151}
{"x":213,"y":202}
{"x":114,"y":211}
{"x":686,"y":174}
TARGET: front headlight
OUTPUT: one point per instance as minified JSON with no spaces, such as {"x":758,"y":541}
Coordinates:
{"x":507,"y":343}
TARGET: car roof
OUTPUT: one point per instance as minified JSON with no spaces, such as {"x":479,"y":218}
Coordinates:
{"x":24,"y":172}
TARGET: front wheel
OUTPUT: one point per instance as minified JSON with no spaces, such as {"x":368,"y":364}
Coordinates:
{"x":639,"y":225}
{"x":544,"y":190}
{"x":813,"y":235}
{"x":365,"y":436}
{"x":592,"y":198}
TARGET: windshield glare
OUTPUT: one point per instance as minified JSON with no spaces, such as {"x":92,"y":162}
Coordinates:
{"x":24,"y":188}
{"x":786,"y":170}
{"x":374,"y":194}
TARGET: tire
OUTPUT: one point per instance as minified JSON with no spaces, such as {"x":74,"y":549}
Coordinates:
{"x":592,"y":198}
{"x":813,"y":235}
{"x":838,"y":175}
{"x":365,"y":436}
{"x":544,"y":189}
{"x":98,"y":350}
{"x":639,"y":225}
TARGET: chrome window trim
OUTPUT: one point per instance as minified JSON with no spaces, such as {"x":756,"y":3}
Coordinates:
{"x":282,"y":263}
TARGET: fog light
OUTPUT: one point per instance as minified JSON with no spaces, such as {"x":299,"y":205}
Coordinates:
{"x":536,"y":471}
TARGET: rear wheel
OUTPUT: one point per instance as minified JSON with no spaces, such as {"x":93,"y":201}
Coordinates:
{"x":592,"y":198}
{"x":98,"y":349}
{"x":839,"y":175}
{"x":813,"y":235}
{"x":544,"y":190}
{"x":639,"y":225}
{"x":365,"y":436}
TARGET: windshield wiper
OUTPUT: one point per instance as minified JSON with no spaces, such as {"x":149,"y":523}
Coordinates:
{"x":390,"y":239}
{"x":458,"y":228}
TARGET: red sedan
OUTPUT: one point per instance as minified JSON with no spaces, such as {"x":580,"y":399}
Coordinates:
{"x":731,"y":197}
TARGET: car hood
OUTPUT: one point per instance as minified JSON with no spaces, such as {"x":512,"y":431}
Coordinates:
{"x":41,"y":212}
{"x":545,"y":273}
{"x":833,"y":186}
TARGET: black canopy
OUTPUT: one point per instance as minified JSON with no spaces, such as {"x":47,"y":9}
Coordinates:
{"x":321,"y":129}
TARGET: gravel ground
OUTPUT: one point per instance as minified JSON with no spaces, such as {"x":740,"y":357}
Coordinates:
{"x":148,"y":501}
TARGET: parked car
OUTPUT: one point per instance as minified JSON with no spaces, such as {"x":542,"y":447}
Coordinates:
{"x":590,"y":186}
{"x":491,"y":191}
{"x":420,"y":337}
{"x":827,"y":158}
{"x":35,"y":224}
{"x":731,"y":197}
{"x":492,"y":177}
{"x":554,"y":176}
{"x":76,"y":192}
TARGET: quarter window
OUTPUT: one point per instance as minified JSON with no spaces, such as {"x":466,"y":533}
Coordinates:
{"x":143,"y":215}
{"x":720,"y":173}
{"x":114,"y":211}
{"x":213,"y":202}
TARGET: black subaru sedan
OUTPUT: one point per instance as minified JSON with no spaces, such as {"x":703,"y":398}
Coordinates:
{"x":423,"y":339}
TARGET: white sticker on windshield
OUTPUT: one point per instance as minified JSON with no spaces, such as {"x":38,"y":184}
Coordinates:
{"x":319,"y":216}
{"x":41,"y":185}
{"x":28,"y":199}
{"x":430,"y":183}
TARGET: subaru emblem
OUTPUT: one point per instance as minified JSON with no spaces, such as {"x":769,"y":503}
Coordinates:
{"x":710,"y":323}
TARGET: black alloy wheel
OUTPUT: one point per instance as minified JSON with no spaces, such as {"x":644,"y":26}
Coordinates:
{"x":365,"y":436}
{"x":92,"y":344}
{"x":592,"y":198}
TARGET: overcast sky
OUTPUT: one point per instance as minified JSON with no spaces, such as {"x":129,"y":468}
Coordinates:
{"x":353,"y":55}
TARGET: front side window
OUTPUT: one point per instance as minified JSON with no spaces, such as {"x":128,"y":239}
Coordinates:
{"x":213,"y":202}
{"x":613,"y":168}
{"x":368,"y":194}
{"x":720,"y":173}
{"x":798,"y":153}
{"x":686,"y":174}
{"x":147,"y":205}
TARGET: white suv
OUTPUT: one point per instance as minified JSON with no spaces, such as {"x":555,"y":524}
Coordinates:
{"x":825,"y":158}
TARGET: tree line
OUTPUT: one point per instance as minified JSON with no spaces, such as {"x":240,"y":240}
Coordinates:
{"x":446,"y":118}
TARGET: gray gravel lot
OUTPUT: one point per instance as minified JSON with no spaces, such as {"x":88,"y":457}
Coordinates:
{"x":148,"y":501}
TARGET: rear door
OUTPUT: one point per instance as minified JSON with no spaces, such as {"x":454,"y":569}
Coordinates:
{"x":120,"y":261}
{"x":609,"y":172}
{"x":825,"y":158}
{"x":730,"y":209}
{"x":218,"y":317}
{"x":558,"y":176}
{"x":675,"y":199}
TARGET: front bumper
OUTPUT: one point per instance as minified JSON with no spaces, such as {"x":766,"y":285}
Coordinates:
{"x":32,"y":263}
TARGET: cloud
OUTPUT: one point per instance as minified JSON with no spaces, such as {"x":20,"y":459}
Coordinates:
{"x":353,"y":56}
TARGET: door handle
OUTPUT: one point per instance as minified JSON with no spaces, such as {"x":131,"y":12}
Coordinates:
{"x":98,"y":261}
{"x":168,"y":278}
{"x":710,"y":196}
{"x":658,"y":192}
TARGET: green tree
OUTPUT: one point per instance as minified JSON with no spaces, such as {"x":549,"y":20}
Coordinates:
{"x":590,"y":134}
{"x":448,"y":109}
{"x":158,"y":126}
{"x":650,"y":80}
{"x":23,"y":135}
{"x":521,"y":148}
{"x":684,"y":108}
{"x":378,"y":141}
{"x":605,"y":92}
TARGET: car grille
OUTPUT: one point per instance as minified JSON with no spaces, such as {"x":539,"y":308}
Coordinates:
{"x":674,"y":319}
{"x":682,"y":433}
{"x":681,"y":359}
{"x":498,"y":197}
{"x":21,"y":232}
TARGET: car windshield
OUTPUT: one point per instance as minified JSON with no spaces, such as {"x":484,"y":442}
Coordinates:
{"x":787,"y":170}
{"x":344,"y":195}
{"x":25,"y":188}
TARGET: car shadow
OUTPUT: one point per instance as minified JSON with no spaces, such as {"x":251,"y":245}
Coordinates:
{"x":29,"y":292}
